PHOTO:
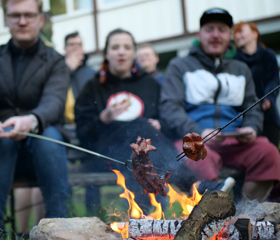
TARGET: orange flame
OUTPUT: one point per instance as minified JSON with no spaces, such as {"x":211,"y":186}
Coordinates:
{"x":158,"y":213}
{"x":134,"y":211}
{"x":121,"y":228}
{"x":187,"y":203}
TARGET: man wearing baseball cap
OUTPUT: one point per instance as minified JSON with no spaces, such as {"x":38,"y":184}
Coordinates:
{"x":204,"y":91}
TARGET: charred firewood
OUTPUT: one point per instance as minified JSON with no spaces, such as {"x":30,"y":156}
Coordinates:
{"x":230,"y":228}
{"x":263,"y":230}
{"x":212,"y":206}
{"x":159,"y":229}
{"x":166,"y":229}
{"x":214,"y":227}
{"x":229,"y":232}
{"x":244,"y":227}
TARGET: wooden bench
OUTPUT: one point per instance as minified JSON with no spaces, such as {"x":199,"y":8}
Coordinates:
{"x":87,"y":179}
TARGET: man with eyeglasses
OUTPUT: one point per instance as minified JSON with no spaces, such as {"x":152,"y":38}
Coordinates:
{"x":33,"y":86}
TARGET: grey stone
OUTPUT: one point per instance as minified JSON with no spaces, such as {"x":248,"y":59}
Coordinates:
{"x":86,"y":228}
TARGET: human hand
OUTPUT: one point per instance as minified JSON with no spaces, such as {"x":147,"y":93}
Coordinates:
{"x":74,"y":59}
{"x":110,"y":113}
{"x":218,"y":139}
{"x":266,"y":105}
{"x":17,"y":124}
{"x":248,"y":138}
{"x":155,"y":123}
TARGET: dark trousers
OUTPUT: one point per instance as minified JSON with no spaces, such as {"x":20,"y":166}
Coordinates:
{"x":272,"y":132}
{"x":40,"y":159}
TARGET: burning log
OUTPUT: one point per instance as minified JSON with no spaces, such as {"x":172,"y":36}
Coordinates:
{"x":229,"y":228}
{"x":213,"y":228}
{"x":159,"y":229}
{"x":244,"y":227}
{"x":246,"y":230}
{"x":213,"y":205}
{"x":164,"y":229}
{"x":263,"y":230}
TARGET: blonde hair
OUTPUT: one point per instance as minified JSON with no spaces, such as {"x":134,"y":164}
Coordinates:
{"x":147,"y":45}
{"x":39,"y":3}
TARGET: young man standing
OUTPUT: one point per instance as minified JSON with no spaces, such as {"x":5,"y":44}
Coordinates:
{"x":33,"y":85}
{"x":204,"y":91}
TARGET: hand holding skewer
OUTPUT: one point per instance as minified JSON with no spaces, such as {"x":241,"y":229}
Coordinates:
{"x":216,"y":131}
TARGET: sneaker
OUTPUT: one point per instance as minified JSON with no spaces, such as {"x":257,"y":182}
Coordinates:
{"x":226,"y":185}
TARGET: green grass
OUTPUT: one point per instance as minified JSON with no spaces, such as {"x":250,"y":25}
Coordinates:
{"x":111,"y":203}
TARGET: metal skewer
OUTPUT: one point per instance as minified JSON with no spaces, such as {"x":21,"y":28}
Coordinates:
{"x":218,"y":130}
{"x":80,"y":149}
{"x":70,"y":145}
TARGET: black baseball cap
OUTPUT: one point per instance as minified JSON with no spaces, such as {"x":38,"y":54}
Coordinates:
{"x":216,"y":14}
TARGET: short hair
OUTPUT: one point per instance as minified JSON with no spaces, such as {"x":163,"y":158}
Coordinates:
{"x":237,"y":28}
{"x":147,"y":45}
{"x":117,"y":31}
{"x":70,"y":35}
{"x":39,"y":3}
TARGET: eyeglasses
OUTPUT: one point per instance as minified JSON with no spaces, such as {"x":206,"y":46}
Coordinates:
{"x":74,"y":44}
{"x":29,"y":17}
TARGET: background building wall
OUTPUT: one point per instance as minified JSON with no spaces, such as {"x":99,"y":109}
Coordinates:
{"x":170,"y":25}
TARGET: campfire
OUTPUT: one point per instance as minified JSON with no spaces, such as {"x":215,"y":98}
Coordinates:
{"x":135,"y":213}
{"x":207,"y":217}
{"x":210,"y":216}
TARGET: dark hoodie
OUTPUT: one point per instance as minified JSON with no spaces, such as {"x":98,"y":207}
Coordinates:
{"x":201,"y":92}
{"x":93,"y":100}
{"x":264,"y":67}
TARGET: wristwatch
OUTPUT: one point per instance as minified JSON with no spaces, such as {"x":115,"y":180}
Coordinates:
{"x":35,"y":125}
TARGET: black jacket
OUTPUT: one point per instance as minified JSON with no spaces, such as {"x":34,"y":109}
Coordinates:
{"x":42,"y":89}
{"x":264,"y":67}
{"x":80,"y":77}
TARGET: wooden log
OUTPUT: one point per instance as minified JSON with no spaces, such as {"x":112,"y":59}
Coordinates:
{"x":214,"y":227}
{"x":159,"y":229}
{"x":166,"y":229}
{"x":229,"y":232}
{"x":213,"y":205}
{"x":244,"y":227}
{"x":229,"y":228}
{"x":263,"y":230}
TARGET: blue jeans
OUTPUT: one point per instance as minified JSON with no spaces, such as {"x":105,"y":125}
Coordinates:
{"x":46,"y":161}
